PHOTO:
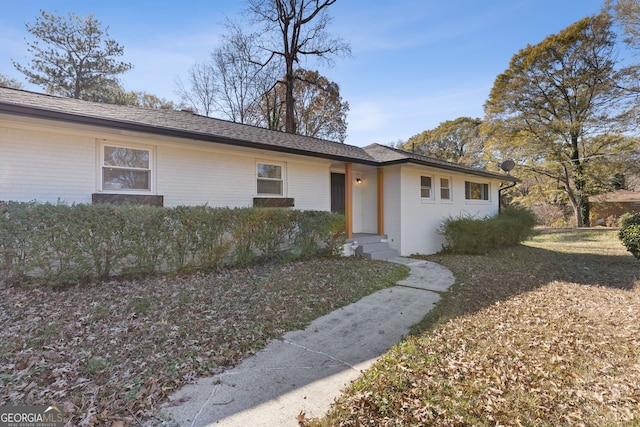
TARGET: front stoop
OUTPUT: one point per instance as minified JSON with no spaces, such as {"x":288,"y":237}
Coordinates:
{"x":373,"y":246}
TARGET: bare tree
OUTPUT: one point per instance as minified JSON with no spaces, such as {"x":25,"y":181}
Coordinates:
{"x":229,"y":84}
{"x":289,"y":30}
{"x":242,"y":80}
{"x":200,"y":91}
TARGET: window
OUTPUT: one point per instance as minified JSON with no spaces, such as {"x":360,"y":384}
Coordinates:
{"x":425,"y":187}
{"x":270,"y":179}
{"x":445,"y":189}
{"x":126,"y":169}
{"x":476,"y":191}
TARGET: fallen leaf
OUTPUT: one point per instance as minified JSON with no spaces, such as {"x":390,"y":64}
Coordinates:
{"x":301,"y":418}
{"x":178,"y":402}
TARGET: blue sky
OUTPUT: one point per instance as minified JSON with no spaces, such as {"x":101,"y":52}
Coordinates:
{"x":414,"y":63}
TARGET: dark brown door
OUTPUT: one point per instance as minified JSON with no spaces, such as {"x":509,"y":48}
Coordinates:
{"x":337,"y":193}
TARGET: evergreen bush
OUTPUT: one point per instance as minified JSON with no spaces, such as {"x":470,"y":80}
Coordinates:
{"x":59,"y":244}
{"x":469,"y":235}
{"x":629,"y":232}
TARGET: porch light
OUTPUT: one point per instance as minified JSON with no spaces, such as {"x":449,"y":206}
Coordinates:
{"x":358,"y":180}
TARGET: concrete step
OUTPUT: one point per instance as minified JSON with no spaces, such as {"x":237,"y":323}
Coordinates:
{"x":381,"y":255}
{"x":364,"y":239}
{"x":373,"y":247}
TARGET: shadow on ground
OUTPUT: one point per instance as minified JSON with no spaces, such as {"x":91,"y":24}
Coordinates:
{"x":482,"y":280}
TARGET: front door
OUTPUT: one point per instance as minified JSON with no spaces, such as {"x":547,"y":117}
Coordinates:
{"x":337,"y":193}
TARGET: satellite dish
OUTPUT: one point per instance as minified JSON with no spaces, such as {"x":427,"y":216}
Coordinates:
{"x":507,"y":165}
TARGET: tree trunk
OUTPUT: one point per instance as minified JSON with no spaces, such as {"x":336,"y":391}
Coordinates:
{"x":580,"y":199}
{"x":290,"y":119}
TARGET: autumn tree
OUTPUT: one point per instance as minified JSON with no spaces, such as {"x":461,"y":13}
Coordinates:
{"x":627,"y":13}
{"x":319,"y":110}
{"x":457,"y":141}
{"x":289,"y":31}
{"x":72,"y":55}
{"x":562,"y":104}
{"x":234,"y":85}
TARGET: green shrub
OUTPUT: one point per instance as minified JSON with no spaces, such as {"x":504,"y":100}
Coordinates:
{"x":468,"y":235}
{"x":199,"y":236}
{"x":61,"y":244}
{"x":629,"y":233}
{"x":315,"y":227}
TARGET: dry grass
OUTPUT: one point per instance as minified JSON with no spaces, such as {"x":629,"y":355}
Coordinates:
{"x":110,"y":353}
{"x":544,"y":334}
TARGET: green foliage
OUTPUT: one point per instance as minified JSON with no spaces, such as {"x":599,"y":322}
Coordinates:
{"x":61,"y":244}
{"x":72,"y":55}
{"x":457,"y":141}
{"x":562,"y":108}
{"x":467,"y":235}
{"x":629,"y":232}
{"x":9,"y":82}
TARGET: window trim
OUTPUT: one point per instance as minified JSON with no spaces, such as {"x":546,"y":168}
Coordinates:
{"x":486,"y":192}
{"x":282,"y":180}
{"x":101,"y":166}
{"x":449,"y":187}
{"x":431,"y":196}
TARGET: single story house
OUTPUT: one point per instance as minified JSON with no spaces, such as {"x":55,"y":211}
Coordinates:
{"x":58,"y":149}
{"x":608,"y":207}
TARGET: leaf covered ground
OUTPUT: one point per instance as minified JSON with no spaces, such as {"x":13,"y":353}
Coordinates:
{"x":543,"y":334}
{"x":110,"y":353}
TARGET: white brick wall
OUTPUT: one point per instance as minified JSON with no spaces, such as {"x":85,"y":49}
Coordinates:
{"x":421,"y":220}
{"x":309,"y":183}
{"x":393,"y":207}
{"x":46,"y":166}
{"x":44,"y":162}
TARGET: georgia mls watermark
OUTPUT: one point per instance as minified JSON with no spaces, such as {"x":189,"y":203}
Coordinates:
{"x":31,"y":416}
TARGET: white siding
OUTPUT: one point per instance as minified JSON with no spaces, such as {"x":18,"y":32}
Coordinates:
{"x":309,"y":184}
{"x":198,"y":176}
{"x":46,"y":162}
{"x":367,"y":210}
{"x":392,"y":207}
{"x":421,"y":220}
{"x":356,"y":200}
{"x":46,"y":166}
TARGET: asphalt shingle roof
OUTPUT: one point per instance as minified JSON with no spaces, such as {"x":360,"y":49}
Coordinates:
{"x":178,"y":123}
{"x":189,"y":125}
{"x":388,"y":155}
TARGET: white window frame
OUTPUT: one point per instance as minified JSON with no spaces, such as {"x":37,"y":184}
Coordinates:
{"x":282,"y":179}
{"x":101,"y":167}
{"x":430,"y":197}
{"x":486,"y":192}
{"x":448,"y":187}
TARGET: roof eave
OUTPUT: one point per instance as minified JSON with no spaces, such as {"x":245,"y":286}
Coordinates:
{"x":454,"y":168}
{"x":159,"y":130}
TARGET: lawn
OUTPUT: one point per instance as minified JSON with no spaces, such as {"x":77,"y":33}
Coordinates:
{"x":110,"y":353}
{"x":543,"y":334}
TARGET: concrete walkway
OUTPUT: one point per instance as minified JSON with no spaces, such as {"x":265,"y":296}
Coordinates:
{"x":306,"y":370}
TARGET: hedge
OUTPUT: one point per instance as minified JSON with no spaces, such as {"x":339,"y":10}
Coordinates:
{"x":59,"y":244}
{"x":629,"y":232}
{"x":468,"y":235}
